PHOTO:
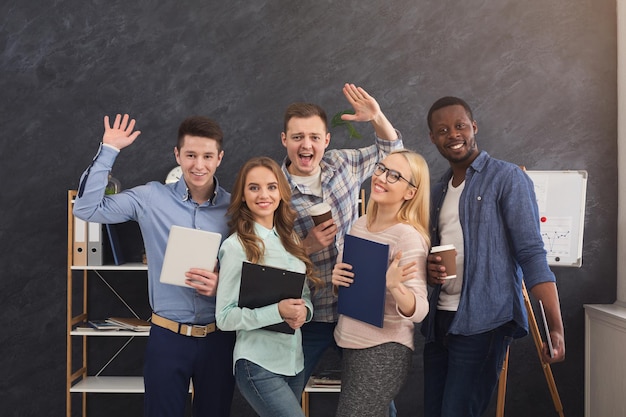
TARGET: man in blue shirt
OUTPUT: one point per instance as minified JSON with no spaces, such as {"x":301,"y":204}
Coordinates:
{"x":183,"y":344}
{"x":488,"y":210}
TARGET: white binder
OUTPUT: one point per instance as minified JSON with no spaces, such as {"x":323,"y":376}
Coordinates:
{"x":94,"y":244}
{"x":80,"y":242}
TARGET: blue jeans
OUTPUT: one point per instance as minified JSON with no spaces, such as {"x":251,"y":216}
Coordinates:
{"x":461,"y":372}
{"x":318,"y":336}
{"x":269,"y":394}
{"x":172,"y":360}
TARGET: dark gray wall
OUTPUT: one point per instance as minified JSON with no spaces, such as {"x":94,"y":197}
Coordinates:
{"x":540,"y":75}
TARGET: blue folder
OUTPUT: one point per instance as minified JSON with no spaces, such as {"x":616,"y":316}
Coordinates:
{"x":114,"y":241}
{"x":364,"y":300}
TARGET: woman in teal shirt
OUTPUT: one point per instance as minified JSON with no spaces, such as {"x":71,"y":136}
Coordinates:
{"x":268,"y":364}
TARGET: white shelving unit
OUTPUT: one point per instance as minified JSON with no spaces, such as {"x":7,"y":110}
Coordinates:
{"x":78,"y":380}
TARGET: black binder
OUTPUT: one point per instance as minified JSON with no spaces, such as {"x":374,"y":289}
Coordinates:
{"x":364,"y":300}
{"x":264,"y":285}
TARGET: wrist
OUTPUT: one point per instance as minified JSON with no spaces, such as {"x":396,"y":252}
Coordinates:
{"x":108,"y":145}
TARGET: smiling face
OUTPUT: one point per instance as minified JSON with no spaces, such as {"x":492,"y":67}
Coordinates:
{"x":453,"y":132}
{"x":199,"y":158}
{"x":386,"y":193}
{"x":262,"y":195}
{"x":306,"y":139}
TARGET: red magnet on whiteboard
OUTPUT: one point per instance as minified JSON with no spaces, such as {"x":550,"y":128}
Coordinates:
{"x":543,"y":219}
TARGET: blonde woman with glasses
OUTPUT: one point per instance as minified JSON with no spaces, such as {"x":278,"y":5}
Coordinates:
{"x":376,"y":361}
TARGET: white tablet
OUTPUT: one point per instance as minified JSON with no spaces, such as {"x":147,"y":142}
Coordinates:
{"x":188,"y":248}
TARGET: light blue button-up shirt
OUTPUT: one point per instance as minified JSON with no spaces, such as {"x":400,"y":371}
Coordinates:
{"x":279,"y":353}
{"x":502,"y":243}
{"x":155,"y":207}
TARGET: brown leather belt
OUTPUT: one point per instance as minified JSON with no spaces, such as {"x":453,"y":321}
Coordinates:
{"x":192,"y":330}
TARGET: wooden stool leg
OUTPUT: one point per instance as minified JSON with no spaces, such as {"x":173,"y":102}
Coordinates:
{"x":502,"y":386}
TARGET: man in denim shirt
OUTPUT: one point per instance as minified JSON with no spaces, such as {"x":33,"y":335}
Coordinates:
{"x":487,"y":209}
{"x":335,"y":177}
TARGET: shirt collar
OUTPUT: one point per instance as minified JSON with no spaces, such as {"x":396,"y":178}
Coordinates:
{"x":181,"y":190}
{"x":263,"y":232}
{"x":477,"y":165}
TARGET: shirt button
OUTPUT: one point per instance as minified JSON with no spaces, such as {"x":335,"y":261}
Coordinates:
{"x":479,"y":198}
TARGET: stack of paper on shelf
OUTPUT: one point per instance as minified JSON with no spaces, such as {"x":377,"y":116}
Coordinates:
{"x":104,"y":325}
{"x":326,"y":378}
{"x":131,"y":323}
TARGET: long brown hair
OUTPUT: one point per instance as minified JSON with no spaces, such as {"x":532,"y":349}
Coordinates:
{"x":242,"y":219}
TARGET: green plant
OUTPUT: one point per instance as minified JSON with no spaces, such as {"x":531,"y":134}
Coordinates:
{"x":338,"y":121}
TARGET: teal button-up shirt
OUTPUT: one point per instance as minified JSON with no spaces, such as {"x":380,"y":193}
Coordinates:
{"x":279,"y":353}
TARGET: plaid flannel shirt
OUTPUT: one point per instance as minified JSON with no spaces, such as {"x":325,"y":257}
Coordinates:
{"x":343,"y":172}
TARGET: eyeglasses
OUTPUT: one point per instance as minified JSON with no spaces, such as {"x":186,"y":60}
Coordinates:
{"x":392,"y":175}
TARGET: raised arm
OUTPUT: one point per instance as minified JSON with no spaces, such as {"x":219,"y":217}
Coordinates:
{"x":367,"y":109}
{"x":91,"y":203}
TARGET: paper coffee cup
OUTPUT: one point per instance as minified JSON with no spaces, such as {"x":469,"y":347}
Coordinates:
{"x":320,"y":213}
{"x":448,"y":259}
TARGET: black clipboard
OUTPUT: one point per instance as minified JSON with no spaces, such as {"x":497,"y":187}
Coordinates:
{"x":364,"y":300}
{"x":263,"y":285}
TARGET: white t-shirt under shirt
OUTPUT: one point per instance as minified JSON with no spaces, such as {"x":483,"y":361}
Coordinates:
{"x":313,"y":181}
{"x":451,"y":233}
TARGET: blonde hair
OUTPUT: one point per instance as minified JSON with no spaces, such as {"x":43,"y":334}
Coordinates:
{"x":415,"y":211}
{"x":242,"y":220}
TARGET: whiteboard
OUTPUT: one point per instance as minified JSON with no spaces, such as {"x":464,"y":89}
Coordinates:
{"x":561,"y":197}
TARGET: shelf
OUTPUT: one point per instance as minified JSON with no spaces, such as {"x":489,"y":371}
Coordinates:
{"x":131,"y":266}
{"x":96,"y":332}
{"x":112,"y":385}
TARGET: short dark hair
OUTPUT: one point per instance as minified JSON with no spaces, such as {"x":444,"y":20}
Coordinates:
{"x":445,"y":102}
{"x":200,"y":126}
{"x":304,"y":111}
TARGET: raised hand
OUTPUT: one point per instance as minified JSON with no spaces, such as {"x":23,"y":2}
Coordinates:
{"x":397,"y":274}
{"x":121,"y":134}
{"x":366,"y":108}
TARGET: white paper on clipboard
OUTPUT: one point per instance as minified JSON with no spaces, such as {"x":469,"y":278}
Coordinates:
{"x":188,"y":248}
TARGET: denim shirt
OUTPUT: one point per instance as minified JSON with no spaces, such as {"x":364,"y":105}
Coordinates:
{"x":156,"y":207}
{"x":502,"y":243}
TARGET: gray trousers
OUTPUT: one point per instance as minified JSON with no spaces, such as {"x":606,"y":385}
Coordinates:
{"x":371,"y":378}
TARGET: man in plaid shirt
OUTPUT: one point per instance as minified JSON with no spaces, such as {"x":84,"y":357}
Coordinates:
{"x":334,"y":177}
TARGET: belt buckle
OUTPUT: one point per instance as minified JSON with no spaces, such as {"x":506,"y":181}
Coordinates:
{"x":199,"y":331}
